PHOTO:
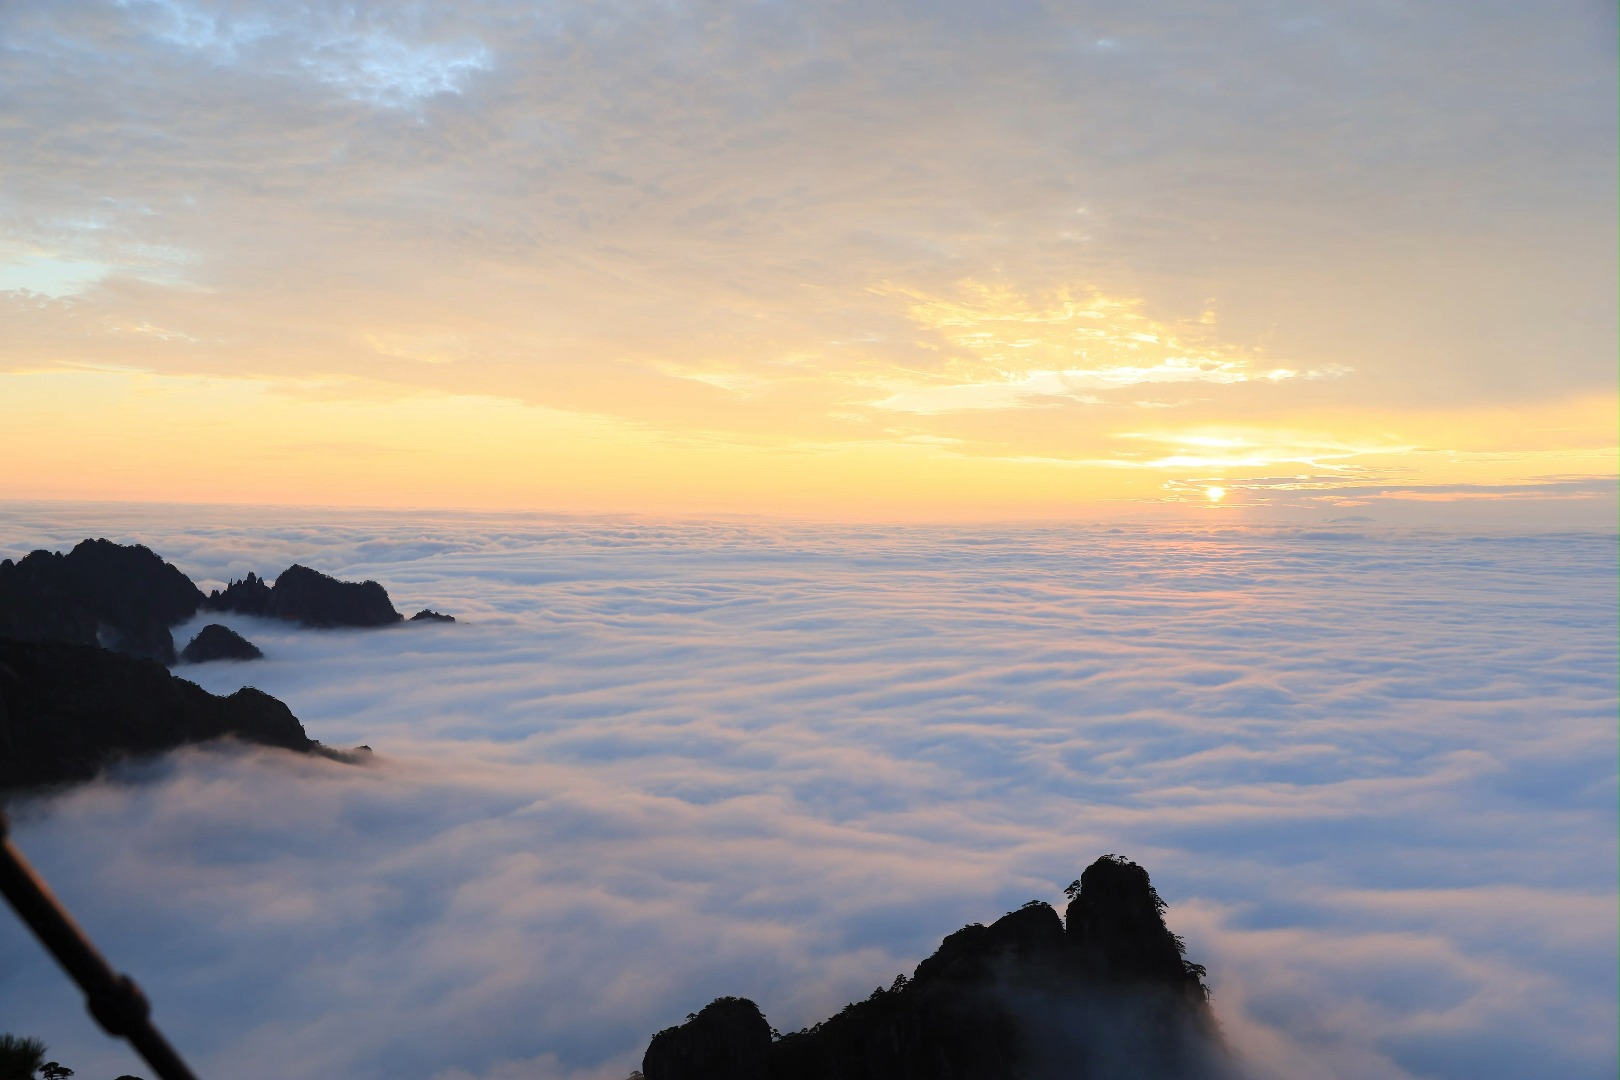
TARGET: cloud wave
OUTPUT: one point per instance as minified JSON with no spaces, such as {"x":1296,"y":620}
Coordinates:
{"x":1371,"y":769}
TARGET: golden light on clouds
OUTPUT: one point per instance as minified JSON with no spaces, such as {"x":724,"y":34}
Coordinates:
{"x":1005,"y":349}
{"x":718,"y":267}
{"x":107,"y":434}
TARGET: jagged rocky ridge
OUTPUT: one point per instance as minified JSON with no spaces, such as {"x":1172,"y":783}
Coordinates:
{"x":126,"y":598}
{"x":1106,"y":992}
{"x":309,"y":597}
{"x":83,"y":640}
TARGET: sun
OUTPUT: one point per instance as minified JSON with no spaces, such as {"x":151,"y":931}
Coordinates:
{"x":1214,"y":494}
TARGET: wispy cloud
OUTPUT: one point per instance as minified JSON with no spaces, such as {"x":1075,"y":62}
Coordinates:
{"x":1009,"y":350}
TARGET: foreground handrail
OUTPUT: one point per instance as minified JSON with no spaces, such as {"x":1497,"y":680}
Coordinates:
{"x":113,"y":999}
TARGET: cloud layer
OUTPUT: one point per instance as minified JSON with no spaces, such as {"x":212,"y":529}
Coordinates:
{"x":801,"y":228}
{"x":1372,"y":770}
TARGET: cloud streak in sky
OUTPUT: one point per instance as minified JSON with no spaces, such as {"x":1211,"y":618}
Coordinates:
{"x":1371,"y":769}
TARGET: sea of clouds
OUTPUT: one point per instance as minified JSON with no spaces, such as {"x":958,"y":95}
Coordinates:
{"x":1373,"y":770}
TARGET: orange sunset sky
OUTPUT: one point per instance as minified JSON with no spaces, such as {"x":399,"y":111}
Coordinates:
{"x":931,"y":261}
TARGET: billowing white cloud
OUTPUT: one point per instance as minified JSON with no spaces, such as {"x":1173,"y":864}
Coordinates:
{"x":1372,"y":770}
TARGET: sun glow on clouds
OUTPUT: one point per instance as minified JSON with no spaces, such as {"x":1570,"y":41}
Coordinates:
{"x":1018,"y":351}
{"x":1252,"y":450}
{"x":1372,"y":770}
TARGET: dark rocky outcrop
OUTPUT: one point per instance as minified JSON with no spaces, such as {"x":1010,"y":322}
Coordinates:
{"x":429,"y":615}
{"x":1115,"y":924}
{"x":67,"y":710}
{"x":728,"y":1038}
{"x":123,"y":597}
{"x":216,"y":642}
{"x":68,"y":705}
{"x":250,"y":596}
{"x":309,"y":597}
{"x":1026,"y":998}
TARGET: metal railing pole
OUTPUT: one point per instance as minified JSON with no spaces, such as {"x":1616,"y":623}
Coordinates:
{"x":113,"y":999}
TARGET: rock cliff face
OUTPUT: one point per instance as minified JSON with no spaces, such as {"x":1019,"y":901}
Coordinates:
{"x":66,"y":710}
{"x":1026,"y":998}
{"x":123,"y":598}
{"x":216,"y":642}
{"x":309,"y":597}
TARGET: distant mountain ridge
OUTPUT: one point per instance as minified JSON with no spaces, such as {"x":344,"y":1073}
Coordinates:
{"x":126,"y":598}
{"x":309,"y":597}
{"x":1105,"y":992}
{"x":85,"y":638}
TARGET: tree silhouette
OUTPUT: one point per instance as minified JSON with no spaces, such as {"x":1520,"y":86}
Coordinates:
{"x":53,"y":1070}
{"x":20,"y":1057}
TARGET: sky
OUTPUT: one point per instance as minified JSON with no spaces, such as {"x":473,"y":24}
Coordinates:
{"x":845,"y":261}
{"x":1371,"y":769}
